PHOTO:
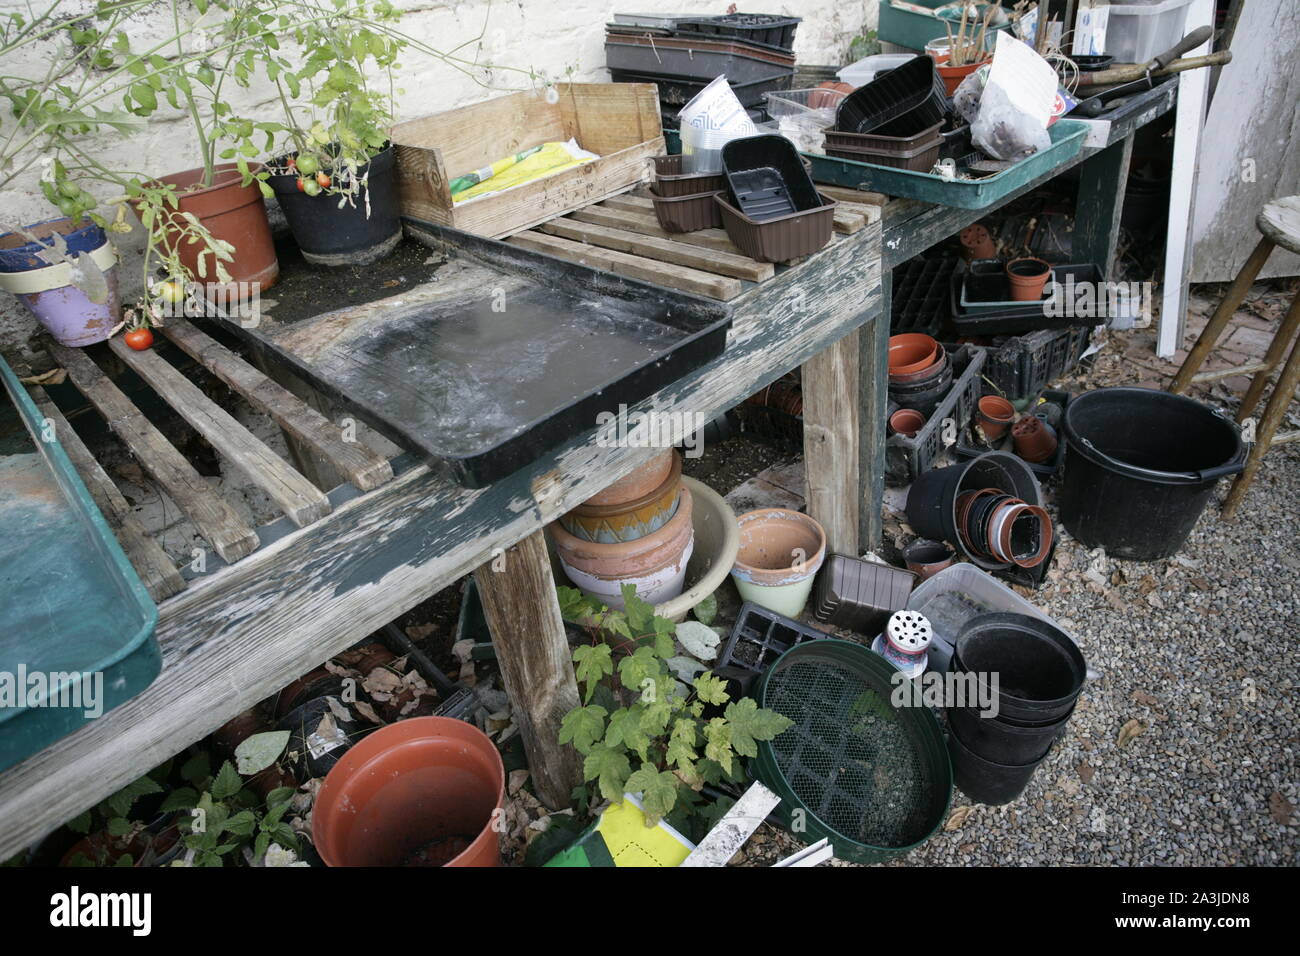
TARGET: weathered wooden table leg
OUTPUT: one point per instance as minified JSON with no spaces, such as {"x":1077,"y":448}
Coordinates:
{"x":830,"y":441}
{"x":518,"y":593}
{"x":873,"y":391}
{"x":1099,"y":203}
{"x":1274,"y":412}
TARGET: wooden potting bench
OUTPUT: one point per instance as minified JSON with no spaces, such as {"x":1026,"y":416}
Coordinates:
{"x":279,"y":599}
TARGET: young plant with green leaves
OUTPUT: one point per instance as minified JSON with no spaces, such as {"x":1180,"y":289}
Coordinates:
{"x":115,"y":837}
{"x":223,"y":816}
{"x":644,"y":725}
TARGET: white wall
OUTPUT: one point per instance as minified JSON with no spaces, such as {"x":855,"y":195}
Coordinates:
{"x":548,"y":37}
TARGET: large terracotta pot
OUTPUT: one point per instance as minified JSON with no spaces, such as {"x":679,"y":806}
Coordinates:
{"x":638,"y":482}
{"x":411,"y":794}
{"x":780,"y":554}
{"x":235,"y":213}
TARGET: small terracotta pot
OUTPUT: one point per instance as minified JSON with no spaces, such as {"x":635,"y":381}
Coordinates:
{"x":933,"y":370}
{"x":638,"y":482}
{"x":911,"y":352}
{"x":1034,"y":439}
{"x":1027,"y":276}
{"x":230,"y":211}
{"x":953,"y":75}
{"x":976,"y":243}
{"x":906,"y":421}
{"x":780,"y":554}
{"x":610,"y":524}
{"x":994,"y":416}
{"x":926,"y":558}
{"x":420,"y":792}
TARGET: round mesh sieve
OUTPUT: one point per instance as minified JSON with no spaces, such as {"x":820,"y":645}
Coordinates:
{"x":869,"y":771}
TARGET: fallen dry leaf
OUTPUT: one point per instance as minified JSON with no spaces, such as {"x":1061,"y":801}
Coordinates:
{"x":517,"y":780}
{"x":957,"y":818}
{"x":1280,"y":808}
{"x":1130,"y":731}
{"x":1145,"y":699}
{"x":1085,"y":772}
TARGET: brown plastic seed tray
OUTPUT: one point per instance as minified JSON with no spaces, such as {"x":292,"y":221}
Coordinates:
{"x":860,"y":595}
{"x":689,"y":213}
{"x":841,"y":140}
{"x":783,"y":237}
{"x":691,"y":184}
{"x":919,"y":159}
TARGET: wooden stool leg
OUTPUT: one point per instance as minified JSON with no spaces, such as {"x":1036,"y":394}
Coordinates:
{"x":1232,"y":298}
{"x":1276,"y":349}
{"x":1273,"y":415}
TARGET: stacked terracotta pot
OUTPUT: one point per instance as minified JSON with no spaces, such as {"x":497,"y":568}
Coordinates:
{"x":919,"y":377}
{"x":1000,"y":527}
{"x":1033,"y":439}
{"x":637,"y":531}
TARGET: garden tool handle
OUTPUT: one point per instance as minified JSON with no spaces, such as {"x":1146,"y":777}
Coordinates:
{"x":1185,"y":45}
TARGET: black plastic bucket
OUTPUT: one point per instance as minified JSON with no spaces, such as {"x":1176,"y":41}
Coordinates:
{"x":332,"y":236}
{"x":986,"y":781}
{"x":1141,"y":466}
{"x":992,"y":738}
{"x":1040,"y":670}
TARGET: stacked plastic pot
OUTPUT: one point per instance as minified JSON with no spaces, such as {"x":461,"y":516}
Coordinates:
{"x":684,"y":201}
{"x":1028,"y":675}
{"x":637,"y":531}
{"x":894,"y":120}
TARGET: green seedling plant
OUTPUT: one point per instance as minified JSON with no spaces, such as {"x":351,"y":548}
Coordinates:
{"x":641,"y":728}
{"x":113,"y":832}
{"x":223,"y":817}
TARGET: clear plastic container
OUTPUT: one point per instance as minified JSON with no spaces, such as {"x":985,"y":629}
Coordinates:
{"x":864,"y":71}
{"x":955,"y":595}
{"x":1137,"y":32}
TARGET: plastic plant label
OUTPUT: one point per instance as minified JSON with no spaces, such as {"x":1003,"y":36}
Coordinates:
{"x":1090,"y":29}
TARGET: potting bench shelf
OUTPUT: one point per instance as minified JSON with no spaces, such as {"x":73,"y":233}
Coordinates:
{"x":300,"y":595}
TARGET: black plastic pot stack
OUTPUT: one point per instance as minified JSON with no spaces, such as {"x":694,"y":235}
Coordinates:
{"x":1040,"y":672}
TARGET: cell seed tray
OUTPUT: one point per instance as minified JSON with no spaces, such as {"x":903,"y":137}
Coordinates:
{"x":760,"y":636}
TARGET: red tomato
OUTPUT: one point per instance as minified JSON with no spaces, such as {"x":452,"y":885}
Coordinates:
{"x":302,"y":185}
{"x":139,"y":339}
{"x":323,"y":181}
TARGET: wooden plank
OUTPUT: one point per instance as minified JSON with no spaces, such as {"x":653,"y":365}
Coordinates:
{"x":602,"y":215}
{"x":873,"y":391}
{"x":239,"y":635}
{"x":848,"y":222}
{"x":844,"y":194}
{"x":300,"y":500}
{"x":361,"y":466}
{"x":228,"y":533}
{"x":735,"y":828}
{"x":666,"y":250}
{"x":830,"y":441}
{"x":660,"y":273}
{"x":157,"y":571}
{"x":518,"y":592}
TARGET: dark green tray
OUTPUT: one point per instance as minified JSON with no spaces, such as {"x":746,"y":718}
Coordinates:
{"x":73,"y":605}
{"x":1067,"y":139}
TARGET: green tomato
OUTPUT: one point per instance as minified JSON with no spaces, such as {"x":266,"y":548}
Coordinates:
{"x":307,"y":165}
{"x":311,"y":187}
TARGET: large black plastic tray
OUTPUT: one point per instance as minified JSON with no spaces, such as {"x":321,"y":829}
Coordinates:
{"x":1020,"y":318}
{"x":766,"y":177}
{"x":768,"y":28}
{"x":696,"y":59}
{"x":502,"y":355}
{"x":677,"y":91}
{"x":901,"y":102}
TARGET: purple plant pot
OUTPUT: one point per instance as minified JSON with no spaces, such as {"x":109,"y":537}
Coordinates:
{"x":66,"y":312}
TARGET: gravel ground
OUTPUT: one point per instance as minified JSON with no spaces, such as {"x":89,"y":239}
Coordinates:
{"x":1182,"y":749}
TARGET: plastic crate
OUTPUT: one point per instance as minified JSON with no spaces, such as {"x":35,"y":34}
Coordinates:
{"x":1137,"y":32}
{"x":902,"y":27}
{"x":919,"y":299}
{"x":906,"y":458}
{"x":965,"y":451}
{"x":1024,"y":365}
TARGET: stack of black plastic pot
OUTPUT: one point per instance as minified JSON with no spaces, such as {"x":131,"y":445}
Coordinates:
{"x":1028,"y":674}
{"x":895,"y":120}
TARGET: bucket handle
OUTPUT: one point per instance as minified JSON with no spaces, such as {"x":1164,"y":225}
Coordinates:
{"x":1234,"y":467}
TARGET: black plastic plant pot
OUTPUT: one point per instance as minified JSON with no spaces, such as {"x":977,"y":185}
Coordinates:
{"x":1141,"y":467}
{"x":1039,"y":669}
{"x":310,"y":753}
{"x":931,"y":501}
{"x":986,"y":781}
{"x":766,"y":178}
{"x":994,"y":739}
{"x":362,"y":230}
{"x":901,"y":102}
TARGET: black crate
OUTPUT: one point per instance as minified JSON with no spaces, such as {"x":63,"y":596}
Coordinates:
{"x":1024,"y":365}
{"x":766,"y":28}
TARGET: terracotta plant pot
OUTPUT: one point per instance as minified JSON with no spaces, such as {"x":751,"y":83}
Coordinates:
{"x":926,"y":558}
{"x":420,"y":792}
{"x":1034,"y":439}
{"x":1027,"y":276}
{"x":906,"y":421}
{"x":953,"y":75}
{"x":232,"y":212}
{"x":932,"y":371}
{"x":611,"y":524}
{"x":976,"y":243}
{"x":780,"y":554}
{"x":638,"y":482}
{"x":911,"y":352}
{"x":655,"y":564}
{"x":994,"y":416}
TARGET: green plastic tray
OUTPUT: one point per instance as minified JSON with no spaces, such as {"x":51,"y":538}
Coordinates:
{"x":913,"y":31}
{"x":1067,"y":139}
{"x":74,"y":610}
